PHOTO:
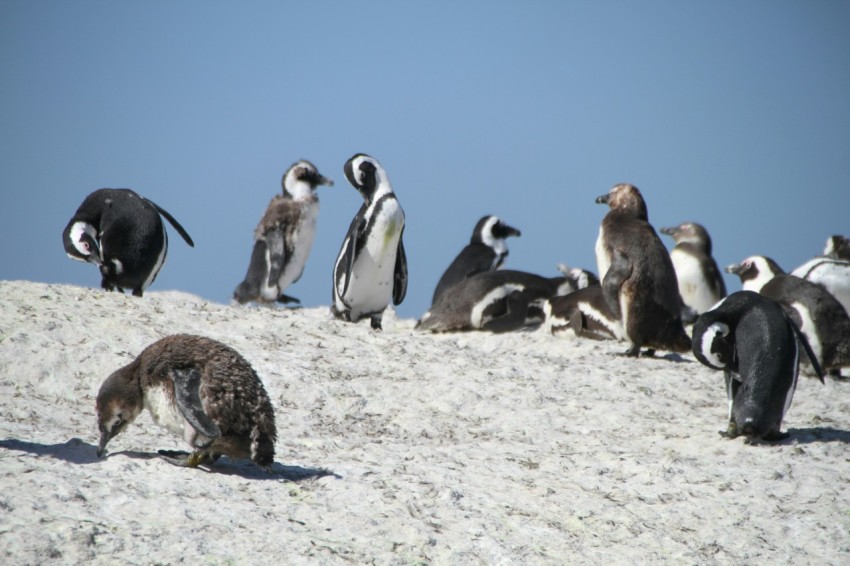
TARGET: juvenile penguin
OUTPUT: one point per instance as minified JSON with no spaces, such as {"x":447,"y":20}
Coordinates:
{"x":837,"y":247}
{"x":122,"y":233}
{"x":638,"y":279}
{"x":486,"y":251}
{"x":813,"y":309}
{"x":284,"y":237}
{"x":753,"y":341}
{"x":498,"y":301}
{"x":701,"y":283}
{"x":371,"y":268}
{"x":200,"y":390}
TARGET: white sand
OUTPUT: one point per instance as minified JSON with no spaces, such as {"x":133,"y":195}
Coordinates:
{"x":448,"y":449}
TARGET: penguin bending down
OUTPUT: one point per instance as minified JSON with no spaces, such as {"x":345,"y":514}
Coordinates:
{"x":837,"y":247}
{"x":371,"y":268}
{"x":819,"y":315}
{"x":638,"y":279}
{"x":753,"y":341}
{"x":486,"y":251}
{"x":701,"y":283}
{"x":284,"y":237}
{"x":833,"y":275}
{"x":498,"y":301}
{"x":121,"y":232}
{"x":200,"y":390}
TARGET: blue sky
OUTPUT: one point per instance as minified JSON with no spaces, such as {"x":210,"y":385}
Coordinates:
{"x":732,"y":114}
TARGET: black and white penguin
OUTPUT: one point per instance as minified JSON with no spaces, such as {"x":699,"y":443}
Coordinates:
{"x":498,"y":301}
{"x":751,"y":338}
{"x":818,"y":314}
{"x":284,"y":237}
{"x":486,"y":251}
{"x":585,"y":311}
{"x":837,"y":247}
{"x":638,"y":279}
{"x":832,"y":274}
{"x":122,"y":233}
{"x":580,"y":278}
{"x":701,"y":283}
{"x":371,"y":269}
{"x":200,"y":390}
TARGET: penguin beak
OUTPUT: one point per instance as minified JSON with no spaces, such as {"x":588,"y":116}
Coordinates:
{"x":322,"y":180}
{"x":603,"y":199}
{"x":511,"y":231}
{"x":735,"y":269}
{"x":101,"y":447}
{"x":670,"y":231}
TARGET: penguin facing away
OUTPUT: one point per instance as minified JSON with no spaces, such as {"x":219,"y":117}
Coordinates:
{"x":200,"y":390}
{"x":371,"y":268}
{"x":638,"y":279}
{"x":486,"y":251}
{"x":284,"y":237}
{"x":121,"y":233}
{"x":837,"y":247}
{"x":751,"y":338}
{"x":701,"y":283}
{"x":819,"y":315}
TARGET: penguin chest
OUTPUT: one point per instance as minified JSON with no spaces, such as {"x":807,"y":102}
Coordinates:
{"x":298,"y":245}
{"x":694,"y":289}
{"x":163,"y":409}
{"x":603,"y":261}
{"x":371,"y":284}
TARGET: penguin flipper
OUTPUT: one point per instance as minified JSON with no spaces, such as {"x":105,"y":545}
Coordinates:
{"x":617,"y":273}
{"x":187,"y":394}
{"x":400,"y":274}
{"x":801,"y":339}
{"x":276,"y":245}
{"x":355,"y":231}
{"x":180,"y":230}
{"x":249,"y":289}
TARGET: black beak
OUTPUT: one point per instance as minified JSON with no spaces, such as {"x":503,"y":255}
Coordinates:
{"x":603,"y":199}
{"x":735,"y":269}
{"x":322,"y":180}
{"x":670,"y":231}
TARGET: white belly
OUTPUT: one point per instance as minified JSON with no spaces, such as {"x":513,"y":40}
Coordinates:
{"x":693,"y":288}
{"x":303,"y":242}
{"x":834,"y":276}
{"x":166,"y":414}
{"x":603,"y":261}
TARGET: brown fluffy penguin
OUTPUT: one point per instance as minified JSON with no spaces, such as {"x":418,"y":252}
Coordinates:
{"x":200,"y":390}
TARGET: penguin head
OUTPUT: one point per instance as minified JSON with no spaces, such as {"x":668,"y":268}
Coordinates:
{"x":302,"y":178}
{"x":625,"y":199}
{"x":755,"y":272}
{"x":837,"y":247}
{"x":690,"y":233}
{"x":715,"y":347}
{"x":80,"y":239}
{"x":119,"y":402}
{"x":366,"y":175}
{"x":490,"y":230}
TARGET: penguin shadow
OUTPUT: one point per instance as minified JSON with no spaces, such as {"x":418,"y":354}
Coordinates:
{"x":817,"y":434}
{"x":74,"y":451}
{"x":248,"y":470}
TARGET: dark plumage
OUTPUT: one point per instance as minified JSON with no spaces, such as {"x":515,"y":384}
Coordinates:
{"x":199,"y":389}
{"x":837,"y":247}
{"x":585,"y":311}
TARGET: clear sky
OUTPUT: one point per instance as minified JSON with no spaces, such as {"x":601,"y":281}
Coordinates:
{"x":732,"y":114}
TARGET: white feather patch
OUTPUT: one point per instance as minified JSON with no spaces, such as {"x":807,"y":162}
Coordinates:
{"x":477,"y":315}
{"x":718,"y":329}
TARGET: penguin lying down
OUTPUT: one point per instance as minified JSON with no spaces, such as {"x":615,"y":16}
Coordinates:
{"x":198,"y":389}
{"x":754,"y":342}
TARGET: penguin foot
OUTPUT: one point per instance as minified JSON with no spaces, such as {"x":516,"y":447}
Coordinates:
{"x":137,"y":292}
{"x":286,"y":299}
{"x":376,"y":323}
{"x":186,"y":460}
{"x":731,"y":431}
{"x":775,"y":436}
{"x":632,"y":352}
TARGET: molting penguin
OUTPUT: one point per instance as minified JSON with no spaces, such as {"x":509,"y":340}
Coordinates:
{"x":284,"y":237}
{"x":371,"y":268}
{"x":750,"y":337}
{"x":486,"y":251}
{"x":122,"y":233}
{"x":498,"y":301}
{"x":200,"y":390}
{"x":638,"y":279}
{"x":837,"y":247}
{"x":701,"y":283}
{"x":813,"y":309}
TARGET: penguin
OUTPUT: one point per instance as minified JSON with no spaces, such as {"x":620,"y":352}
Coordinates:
{"x":371,"y":268}
{"x":700,"y":281}
{"x":284,"y":237}
{"x":585,"y":311}
{"x":499,"y":301}
{"x":818,"y":314}
{"x":837,"y":247}
{"x":199,"y":389}
{"x":638,"y":279}
{"x":581,"y":278}
{"x":751,"y":338}
{"x":831,"y":274}
{"x":486,"y":251}
{"x":121,"y":233}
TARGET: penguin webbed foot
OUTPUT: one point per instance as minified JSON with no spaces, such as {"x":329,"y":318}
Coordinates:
{"x":634,"y":352}
{"x":730,"y":432}
{"x":376,"y":323}
{"x":187,"y":460}
{"x":286,"y":299}
{"x":137,"y":292}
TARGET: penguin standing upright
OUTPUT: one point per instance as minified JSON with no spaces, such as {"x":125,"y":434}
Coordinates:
{"x":638,"y":280}
{"x":750,"y":337}
{"x":122,"y":233}
{"x":371,"y":268}
{"x":284,"y":237}
{"x":701,"y":283}
{"x":198,"y":389}
{"x":818,"y":314}
{"x":486,"y":251}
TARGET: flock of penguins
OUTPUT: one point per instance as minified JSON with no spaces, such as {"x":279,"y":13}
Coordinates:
{"x":206,"y":393}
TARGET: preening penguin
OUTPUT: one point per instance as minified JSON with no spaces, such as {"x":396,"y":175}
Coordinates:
{"x":122,"y":234}
{"x":701,"y":283}
{"x":200,"y":390}
{"x":753,"y":341}
{"x":371,"y":268}
{"x":638,"y":280}
{"x":486,"y":251}
{"x":284,"y":237}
